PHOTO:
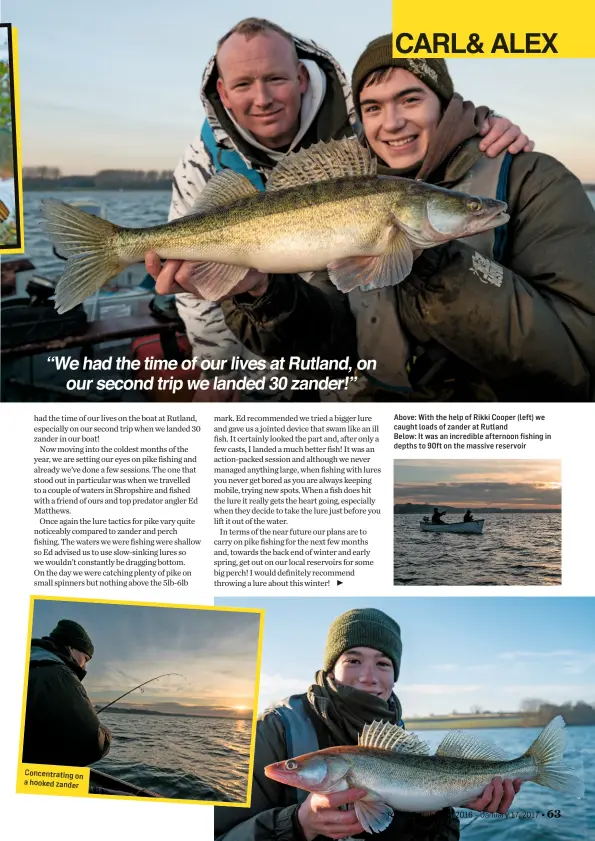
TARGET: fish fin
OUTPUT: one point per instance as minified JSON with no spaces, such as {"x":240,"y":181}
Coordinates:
{"x":388,"y":269}
{"x":547,"y":752}
{"x":464,"y":745}
{"x":214,"y":280}
{"x":4,"y":212}
{"x":351,"y":272}
{"x":323,"y":162}
{"x":89,"y":243}
{"x":560,"y":778}
{"x":373,"y":814}
{"x":221,"y":189}
{"x":383,"y":734}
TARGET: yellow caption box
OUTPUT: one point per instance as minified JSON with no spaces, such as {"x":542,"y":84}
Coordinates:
{"x":465,"y":29}
{"x":52,"y":779}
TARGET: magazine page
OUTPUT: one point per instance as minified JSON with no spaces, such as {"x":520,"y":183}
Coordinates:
{"x":298,"y":372}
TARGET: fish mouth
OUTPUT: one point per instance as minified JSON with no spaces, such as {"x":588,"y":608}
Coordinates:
{"x":270,"y":771}
{"x":498,"y":217}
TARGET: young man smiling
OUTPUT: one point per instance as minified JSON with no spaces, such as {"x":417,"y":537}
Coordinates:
{"x":400,"y":117}
{"x":503,"y":316}
{"x":265,"y":93}
{"x":506,"y":316}
{"x":361,"y":664}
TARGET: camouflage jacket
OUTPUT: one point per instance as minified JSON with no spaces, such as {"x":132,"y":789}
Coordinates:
{"x":334,"y":118}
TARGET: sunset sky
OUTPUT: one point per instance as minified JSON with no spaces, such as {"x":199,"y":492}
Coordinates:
{"x":457,"y":652}
{"x":117,"y":85}
{"x":477,"y":483}
{"x":214,"y":650}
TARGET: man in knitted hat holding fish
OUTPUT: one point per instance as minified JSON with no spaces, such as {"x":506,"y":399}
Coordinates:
{"x":505,"y":315}
{"x":61,"y":725}
{"x":260,"y":76}
{"x":361,"y":664}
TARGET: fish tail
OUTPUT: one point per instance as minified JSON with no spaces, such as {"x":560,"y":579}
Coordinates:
{"x":4,"y":212}
{"x":89,"y":242}
{"x":547,"y":752}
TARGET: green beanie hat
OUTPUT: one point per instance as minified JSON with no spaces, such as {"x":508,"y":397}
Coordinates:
{"x":366,"y":627}
{"x":72,"y":634}
{"x":379,"y":54}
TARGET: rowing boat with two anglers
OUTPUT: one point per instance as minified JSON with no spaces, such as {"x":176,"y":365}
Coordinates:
{"x":473,"y":527}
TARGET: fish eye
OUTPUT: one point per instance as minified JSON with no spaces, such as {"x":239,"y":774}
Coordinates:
{"x":474,"y":205}
{"x":291,"y":765}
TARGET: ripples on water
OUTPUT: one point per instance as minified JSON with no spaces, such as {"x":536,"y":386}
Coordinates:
{"x":577,"y":816}
{"x":134,"y":208}
{"x":187,"y":758}
{"x":513,"y":549}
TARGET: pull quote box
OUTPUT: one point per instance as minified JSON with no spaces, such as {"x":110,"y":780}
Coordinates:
{"x":533,"y":29}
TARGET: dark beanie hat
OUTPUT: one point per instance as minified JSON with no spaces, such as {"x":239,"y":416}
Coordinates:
{"x":379,"y":54}
{"x":367,"y":627}
{"x":72,"y":634}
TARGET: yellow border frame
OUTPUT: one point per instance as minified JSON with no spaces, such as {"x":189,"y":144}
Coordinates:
{"x":14,"y":53}
{"x":260,"y":611}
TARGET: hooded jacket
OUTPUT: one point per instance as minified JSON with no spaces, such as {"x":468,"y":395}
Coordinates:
{"x":272,"y":815}
{"x":61,"y":725}
{"x":327,"y":113}
{"x":523,"y":329}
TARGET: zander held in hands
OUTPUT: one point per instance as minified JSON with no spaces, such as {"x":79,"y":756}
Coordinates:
{"x":397,"y":771}
{"x":324,"y":207}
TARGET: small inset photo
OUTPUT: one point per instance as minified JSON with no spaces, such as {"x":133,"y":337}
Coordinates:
{"x":484,"y":522}
{"x":11,"y":235}
{"x":140,"y":700}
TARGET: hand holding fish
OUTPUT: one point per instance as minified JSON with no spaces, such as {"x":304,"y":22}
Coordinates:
{"x":176,"y":276}
{"x":319,"y":814}
{"x":497,"y":797}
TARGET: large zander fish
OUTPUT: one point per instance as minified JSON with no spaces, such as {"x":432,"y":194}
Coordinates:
{"x":324,"y":207}
{"x":398,"y":772}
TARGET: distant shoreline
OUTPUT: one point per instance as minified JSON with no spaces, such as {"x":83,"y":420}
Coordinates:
{"x":39,"y":185}
{"x":476,"y":722}
{"x":52,"y":187}
{"x":129,"y":711}
{"x":418,"y":508}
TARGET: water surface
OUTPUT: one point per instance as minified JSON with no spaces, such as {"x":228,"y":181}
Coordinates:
{"x":182,"y":757}
{"x":513,"y":549}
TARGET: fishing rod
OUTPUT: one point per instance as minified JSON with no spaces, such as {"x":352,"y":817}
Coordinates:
{"x":119,"y":698}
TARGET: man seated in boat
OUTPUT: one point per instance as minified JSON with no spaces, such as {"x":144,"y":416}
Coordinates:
{"x":468,"y":518}
{"x":437,"y":518}
{"x":267,"y":93}
{"x":61,"y":725}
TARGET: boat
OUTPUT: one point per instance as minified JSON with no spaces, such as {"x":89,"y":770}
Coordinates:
{"x":102,"y":783}
{"x":474,"y":527}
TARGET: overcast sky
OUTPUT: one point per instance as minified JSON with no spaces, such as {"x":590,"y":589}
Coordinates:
{"x":214,"y":650}
{"x":117,"y":84}
{"x":479,"y":482}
